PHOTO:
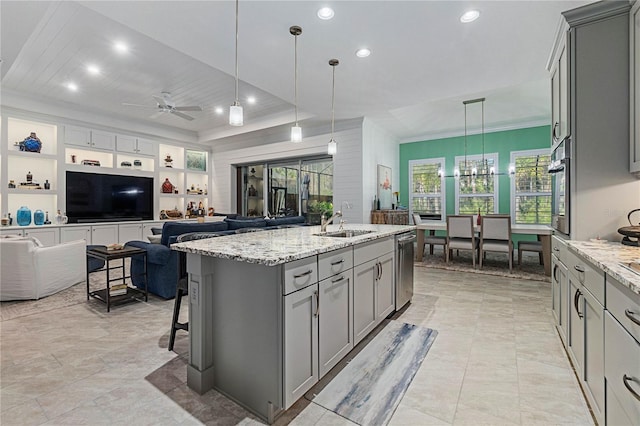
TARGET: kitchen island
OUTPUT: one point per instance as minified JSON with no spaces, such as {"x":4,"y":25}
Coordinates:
{"x":271,"y":312}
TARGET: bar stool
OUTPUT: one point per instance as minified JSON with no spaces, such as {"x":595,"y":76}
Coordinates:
{"x":182,"y":288}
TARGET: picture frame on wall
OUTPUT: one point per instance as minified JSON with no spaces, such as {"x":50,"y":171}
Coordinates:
{"x":384,"y":187}
{"x":197,"y":161}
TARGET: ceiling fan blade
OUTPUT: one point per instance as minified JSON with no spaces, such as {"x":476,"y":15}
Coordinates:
{"x":160,"y":101}
{"x":157,"y":114}
{"x":181,"y":115}
{"x":188,"y":108}
{"x":140,"y":106}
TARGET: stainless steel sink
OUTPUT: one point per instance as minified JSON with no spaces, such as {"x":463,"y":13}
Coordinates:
{"x":348,"y":233}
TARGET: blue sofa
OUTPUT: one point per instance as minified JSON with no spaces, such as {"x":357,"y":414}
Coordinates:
{"x":162,"y":262}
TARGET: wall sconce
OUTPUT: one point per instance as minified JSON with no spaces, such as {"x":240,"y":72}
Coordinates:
{"x":512,"y":170}
{"x":456,"y":173}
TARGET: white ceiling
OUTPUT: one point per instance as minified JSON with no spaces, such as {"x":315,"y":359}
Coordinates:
{"x":424,"y":62}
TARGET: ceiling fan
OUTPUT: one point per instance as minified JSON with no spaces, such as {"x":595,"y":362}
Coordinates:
{"x":165,"y":104}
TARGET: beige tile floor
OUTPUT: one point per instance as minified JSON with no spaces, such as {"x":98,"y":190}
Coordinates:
{"x":496,"y":361}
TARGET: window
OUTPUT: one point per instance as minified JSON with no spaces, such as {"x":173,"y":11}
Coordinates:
{"x":531,"y":187}
{"x":477,"y":191}
{"x":427,"y":197}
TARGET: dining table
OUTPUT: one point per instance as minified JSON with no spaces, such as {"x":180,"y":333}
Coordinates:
{"x":544,"y":233}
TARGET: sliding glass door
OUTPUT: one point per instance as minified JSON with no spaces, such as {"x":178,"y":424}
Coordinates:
{"x":288,"y":188}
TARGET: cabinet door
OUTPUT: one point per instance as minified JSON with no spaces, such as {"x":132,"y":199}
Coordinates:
{"x":126,"y":144}
{"x":145,"y":147}
{"x":11,"y":232}
{"x":75,"y":233}
{"x":48,"y":237}
{"x":335,"y":338}
{"x":594,"y":353}
{"x":634,"y":59}
{"x":576,"y":328}
{"x":129,"y":232}
{"x":555,"y":106}
{"x":565,"y":301}
{"x":77,"y":136}
{"x":104,"y":234}
{"x":563,"y":94}
{"x":300,"y":343}
{"x":555,"y":290}
{"x":103,"y":140}
{"x":364,"y":304}
{"x":385,"y":290}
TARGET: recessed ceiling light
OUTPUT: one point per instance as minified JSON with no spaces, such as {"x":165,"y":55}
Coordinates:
{"x":363,"y":53}
{"x":121,"y":47}
{"x":219,"y":110}
{"x":72,"y":86}
{"x":325,"y":13}
{"x":251,"y":100}
{"x":92,"y":69}
{"x":469,"y":16}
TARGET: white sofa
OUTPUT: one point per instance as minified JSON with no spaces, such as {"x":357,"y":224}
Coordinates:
{"x":30,"y":271}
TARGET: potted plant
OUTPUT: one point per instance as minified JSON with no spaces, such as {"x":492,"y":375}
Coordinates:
{"x":315,"y":209}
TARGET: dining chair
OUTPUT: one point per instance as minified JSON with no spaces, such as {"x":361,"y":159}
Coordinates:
{"x":534,"y":246}
{"x":431,"y":239}
{"x":495,"y":235}
{"x":461,"y":236}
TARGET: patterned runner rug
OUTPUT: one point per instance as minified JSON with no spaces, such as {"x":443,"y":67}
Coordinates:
{"x":368,"y":390}
{"x":494,"y":264}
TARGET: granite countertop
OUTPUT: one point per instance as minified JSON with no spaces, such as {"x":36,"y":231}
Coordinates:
{"x":608,"y":256}
{"x":277,"y":246}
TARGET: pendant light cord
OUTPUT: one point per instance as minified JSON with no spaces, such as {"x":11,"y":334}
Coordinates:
{"x":465,"y":138}
{"x":237,"y":1}
{"x":295,"y":78}
{"x":483,"y":164}
{"x":333,"y":92}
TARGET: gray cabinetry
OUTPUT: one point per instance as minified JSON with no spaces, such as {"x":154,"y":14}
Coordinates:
{"x":622,"y":355}
{"x":634,"y":80}
{"x":597,"y":92}
{"x":335,"y":331}
{"x":373,"y":285}
{"x":586,"y":341}
{"x":300,"y":343}
{"x":558,"y":66}
{"x":560,"y":290}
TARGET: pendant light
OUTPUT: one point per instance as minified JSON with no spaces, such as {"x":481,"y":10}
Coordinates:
{"x":235,"y":111}
{"x":296,"y":131}
{"x":332,"y":148}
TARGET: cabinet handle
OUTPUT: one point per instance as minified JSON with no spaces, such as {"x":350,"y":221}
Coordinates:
{"x":337,"y":262}
{"x":632,"y":316}
{"x":338,"y":280}
{"x":303,"y":274}
{"x":316,"y":296}
{"x":555,"y":269}
{"x":379,"y":271}
{"x":576,"y":298}
{"x":554,"y":133}
{"x":626,"y":379}
{"x":556,"y":249}
{"x":579,"y":268}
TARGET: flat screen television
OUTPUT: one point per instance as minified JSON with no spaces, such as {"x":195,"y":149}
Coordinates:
{"x":95,"y":197}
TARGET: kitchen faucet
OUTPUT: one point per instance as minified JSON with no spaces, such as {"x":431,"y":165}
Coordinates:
{"x":324,"y":221}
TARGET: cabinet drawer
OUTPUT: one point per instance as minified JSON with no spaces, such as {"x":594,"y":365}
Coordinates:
{"x":366,"y":251}
{"x":300,"y":274}
{"x":334,"y":262}
{"x":622,"y":359}
{"x":587,"y":274}
{"x":624,"y":305}
{"x":559,"y":248}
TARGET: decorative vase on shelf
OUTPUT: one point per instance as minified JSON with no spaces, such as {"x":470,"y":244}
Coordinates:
{"x":38,"y":217}
{"x":47,"y":185}
{"x":167,"y":187}
{"x":23,"y":216}
{"x":61,"y":219}
{"x":46,"y":219}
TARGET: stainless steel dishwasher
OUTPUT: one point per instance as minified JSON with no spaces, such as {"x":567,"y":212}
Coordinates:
{"x":404,"y":268}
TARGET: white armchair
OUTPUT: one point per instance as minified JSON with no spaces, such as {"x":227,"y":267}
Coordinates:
{"x":30,"y":271}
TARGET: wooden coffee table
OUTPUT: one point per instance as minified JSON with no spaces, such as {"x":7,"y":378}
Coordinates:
{"x":113,"y":255}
